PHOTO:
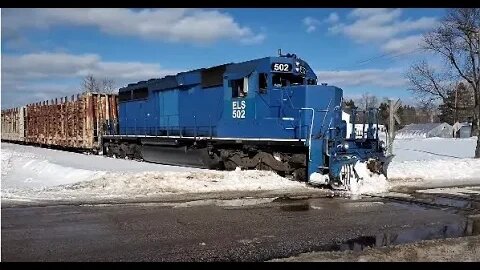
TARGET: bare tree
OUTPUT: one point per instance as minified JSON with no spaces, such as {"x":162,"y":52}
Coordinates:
{"x":457,"y":41}
{"x":427,"y":112}
{"x":92,"y":84}
{"x":108,"y":86}
{"x":367,"y":101}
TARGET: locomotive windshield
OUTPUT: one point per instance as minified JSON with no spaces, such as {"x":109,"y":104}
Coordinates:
{"x":287,"y":79}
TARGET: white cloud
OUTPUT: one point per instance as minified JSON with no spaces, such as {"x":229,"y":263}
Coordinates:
{"x":332,"y":18}
{"x":311,"y":24}
{"x":259,"y":38}
{"x":186,"y":25}
{"x":363,"y":77}
{"x":63,"y":65}
{"x":367,"y":12}
{"x":403,"y":45}
{"x":26,"y":78}
{"x":379,"y":25}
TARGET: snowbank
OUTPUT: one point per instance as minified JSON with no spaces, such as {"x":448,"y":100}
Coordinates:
{"x":151,"y":184}
{"x":40,"y":174}
{"x":24,"y":169}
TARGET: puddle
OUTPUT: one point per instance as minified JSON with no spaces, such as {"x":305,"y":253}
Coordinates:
{"x":286,"y":199}
{"x":295,"y":207}
{"x":292,"y":204}
{"x":358,"y":244}
{"x":453,"y":202}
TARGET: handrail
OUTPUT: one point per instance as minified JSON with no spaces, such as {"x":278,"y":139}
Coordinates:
{"x":311,"y":129}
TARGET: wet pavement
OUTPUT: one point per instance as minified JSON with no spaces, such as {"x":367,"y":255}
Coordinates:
{"x":230,"y":230}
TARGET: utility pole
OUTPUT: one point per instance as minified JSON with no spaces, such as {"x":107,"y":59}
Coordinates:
{"x":456,"y":110}
{"x":393,"y":117}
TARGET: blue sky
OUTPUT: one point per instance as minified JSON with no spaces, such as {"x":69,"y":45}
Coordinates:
{"x":46,"y":52}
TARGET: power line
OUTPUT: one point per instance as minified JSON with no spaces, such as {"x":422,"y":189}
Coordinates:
{"x":366,"y":61}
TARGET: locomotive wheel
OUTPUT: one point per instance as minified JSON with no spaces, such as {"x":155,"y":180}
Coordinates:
{"x":229,"y":165}
{"x":300,"y":174}
{"x":263,"y":167}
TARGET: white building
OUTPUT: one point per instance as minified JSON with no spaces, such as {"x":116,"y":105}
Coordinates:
{"x":359,"y":127}
{"x":427,"y":130}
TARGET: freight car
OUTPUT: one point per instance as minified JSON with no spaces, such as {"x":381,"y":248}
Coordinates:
{"x":13,"y":124}
{"x":75,"y":123}
{"x":267,"y":114}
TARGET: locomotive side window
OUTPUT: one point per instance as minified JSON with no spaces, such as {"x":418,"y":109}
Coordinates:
{"x":213,"y":77}
{"x":239,"y":87}
{"x":125,"y":96}
{"x":140,"y":93}
{"x":262,"y":82}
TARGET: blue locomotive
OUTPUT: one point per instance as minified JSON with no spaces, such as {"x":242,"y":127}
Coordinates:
{"x":266,"y":114}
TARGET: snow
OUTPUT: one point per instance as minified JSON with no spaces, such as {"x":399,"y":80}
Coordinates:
{"x":433,"y":148}
{"x":436,"y":169}
{"x":370,"y":183}
{"x":35,"y":174}
{"x":434,"y":162}
{"x":31,"y":174}
{"x":423,"y":163}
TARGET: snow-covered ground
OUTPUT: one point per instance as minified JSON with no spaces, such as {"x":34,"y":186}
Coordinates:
{"x":31,"y":174}
{"x":34,"y":174}
{"x":434,"y":162}
{"x":433,"y":148}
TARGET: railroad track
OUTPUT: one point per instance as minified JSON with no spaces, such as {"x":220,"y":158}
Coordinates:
{"x":436,"y":200}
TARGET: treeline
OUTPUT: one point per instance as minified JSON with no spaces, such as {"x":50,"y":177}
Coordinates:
{"x":408,"y":114}
{"x":457,"y":108}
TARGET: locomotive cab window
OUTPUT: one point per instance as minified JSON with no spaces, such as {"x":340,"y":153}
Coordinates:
{"x":282,"y":80}
{"x":262,"y":82}
{"x":311,"y":81}
{"x":239,"y":87}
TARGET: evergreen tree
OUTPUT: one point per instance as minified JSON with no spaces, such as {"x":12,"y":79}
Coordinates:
{"x":458,"y":105}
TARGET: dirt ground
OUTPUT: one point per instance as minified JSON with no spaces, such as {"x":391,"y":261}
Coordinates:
{"x":463,"y":249}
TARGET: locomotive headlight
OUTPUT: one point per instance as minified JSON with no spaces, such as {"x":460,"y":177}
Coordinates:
{"x":297,"y":69}
{"x":343,"y":146}
{"x":297,"y":63}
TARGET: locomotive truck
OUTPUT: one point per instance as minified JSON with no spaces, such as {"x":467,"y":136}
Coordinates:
{"x":267,"y":114}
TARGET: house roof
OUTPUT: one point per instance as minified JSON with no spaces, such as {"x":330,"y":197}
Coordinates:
{"x":423,"y":128}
